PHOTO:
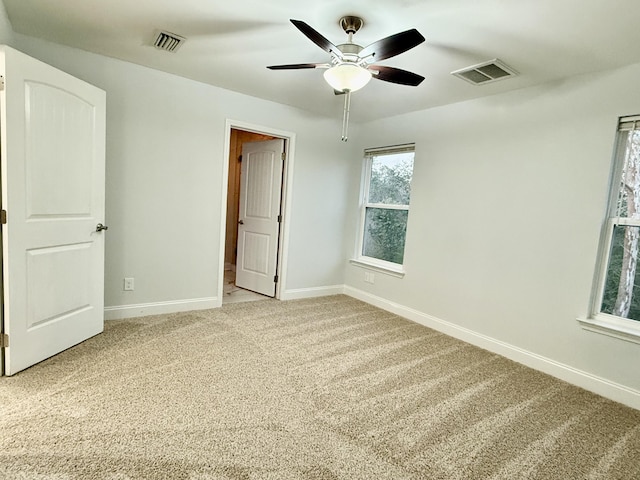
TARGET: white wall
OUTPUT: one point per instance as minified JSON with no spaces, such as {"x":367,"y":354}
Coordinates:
{"x":508,"y":197}
{"x":165,"y":149}
{"x":6,"y":32}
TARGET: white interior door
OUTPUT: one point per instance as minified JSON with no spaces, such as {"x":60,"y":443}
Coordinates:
{"x":258,"y":228}
{"x":52,"y":167}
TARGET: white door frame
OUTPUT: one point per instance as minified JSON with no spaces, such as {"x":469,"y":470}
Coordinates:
{"x":287,"y":184}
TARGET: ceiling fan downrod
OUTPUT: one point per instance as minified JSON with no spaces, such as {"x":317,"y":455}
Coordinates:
{"x":351,"y":24}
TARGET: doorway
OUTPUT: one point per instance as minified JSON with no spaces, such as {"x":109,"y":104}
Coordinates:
{"x":237,"y":233}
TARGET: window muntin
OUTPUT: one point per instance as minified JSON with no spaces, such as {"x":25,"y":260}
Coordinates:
{"x":385,"y":205}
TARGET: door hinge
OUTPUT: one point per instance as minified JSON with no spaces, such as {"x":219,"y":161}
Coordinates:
{"x":3,"y":217}
{"x":279,"y":218}
{"x":1,"y":83}
{"x":283,"y":156}
{"x":4,"y":340}
{"x":275,"y":279}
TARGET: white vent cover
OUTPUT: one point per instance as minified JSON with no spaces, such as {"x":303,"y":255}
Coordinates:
{"x":168,"y":41}
{"x":486,"y":72}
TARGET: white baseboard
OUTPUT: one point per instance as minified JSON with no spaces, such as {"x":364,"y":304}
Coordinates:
{"x":144,"y":309}
{"x":299,"y":293}
{"x":593,"y":383}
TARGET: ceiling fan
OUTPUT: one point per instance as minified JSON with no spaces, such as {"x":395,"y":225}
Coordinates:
{"x":351,"y":66}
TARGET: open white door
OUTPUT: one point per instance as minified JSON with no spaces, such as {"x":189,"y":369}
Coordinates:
{"x":52,"y":166}
{"x":258,"y":229}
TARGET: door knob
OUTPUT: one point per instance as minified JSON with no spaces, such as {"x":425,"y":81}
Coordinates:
{"x":101,"y":227}
{"x":240,"y":222}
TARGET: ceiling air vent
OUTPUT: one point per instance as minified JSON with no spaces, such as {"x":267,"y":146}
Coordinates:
{"x":168,"y":41}
{"x":486,"y":72}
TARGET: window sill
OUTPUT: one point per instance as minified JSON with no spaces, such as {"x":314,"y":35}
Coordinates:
{"x":389,"y":270}
{"x":612,"y":326}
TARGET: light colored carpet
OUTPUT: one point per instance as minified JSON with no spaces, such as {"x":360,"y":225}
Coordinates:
{"x":326,"y":388}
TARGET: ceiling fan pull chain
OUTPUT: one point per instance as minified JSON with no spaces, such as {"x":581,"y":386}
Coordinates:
{"x":345,"y":116}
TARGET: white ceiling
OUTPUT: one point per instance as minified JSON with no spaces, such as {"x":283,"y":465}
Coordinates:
{"x":229,"y":43}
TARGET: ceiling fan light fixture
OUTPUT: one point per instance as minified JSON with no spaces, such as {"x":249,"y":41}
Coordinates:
{"x":347,"y":76}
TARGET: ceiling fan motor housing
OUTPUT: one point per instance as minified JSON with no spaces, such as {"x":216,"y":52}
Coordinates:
{"x":350,"y":49}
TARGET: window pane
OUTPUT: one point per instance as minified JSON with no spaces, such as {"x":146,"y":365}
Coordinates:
{"x":384,"y":234}
{"x":622,"y":287}
{"x":628,"y":204}
{"x":391,"y":179}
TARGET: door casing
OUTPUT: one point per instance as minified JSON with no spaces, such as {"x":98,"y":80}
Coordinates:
{"x":287,"y":183}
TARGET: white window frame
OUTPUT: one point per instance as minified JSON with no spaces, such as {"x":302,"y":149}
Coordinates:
{"x":383,"y":266}
{"x":598,"y":321}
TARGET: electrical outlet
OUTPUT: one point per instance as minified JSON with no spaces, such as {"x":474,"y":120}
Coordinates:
{"x":128,"y":283}
{"x":369,"y":277}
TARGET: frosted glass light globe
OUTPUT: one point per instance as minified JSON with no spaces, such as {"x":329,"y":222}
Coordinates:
{"x":347,"y":76}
